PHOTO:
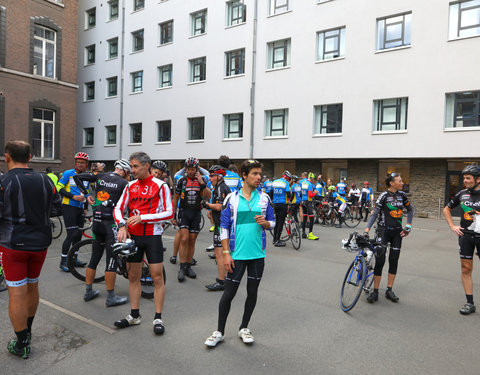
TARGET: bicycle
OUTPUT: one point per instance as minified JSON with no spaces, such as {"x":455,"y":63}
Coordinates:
{"x":88,"y":223}
{"x":83,"y":251}
{"x":359,"y":276}
{"x":292,"y":231}
{"x":57,"y":226}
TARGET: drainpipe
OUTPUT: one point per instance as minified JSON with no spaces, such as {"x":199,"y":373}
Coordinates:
{"x":122,"y":89}
{"x":252,"y":88}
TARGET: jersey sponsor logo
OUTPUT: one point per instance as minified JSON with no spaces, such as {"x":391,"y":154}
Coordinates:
{"x":103,"y":196}
{"x":135,"y":212}
{"x":396,"y":214}
{"x":475,"y":205}
{"x":107,"y":184}
{"x":468,"y":215}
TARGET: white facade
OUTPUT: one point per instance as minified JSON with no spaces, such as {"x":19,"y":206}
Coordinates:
{"x":424,"y":71}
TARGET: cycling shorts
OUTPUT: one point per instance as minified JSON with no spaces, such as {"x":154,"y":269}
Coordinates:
{"x":104,"y":236}
{"x":467,"y":244}
{"x":189,"y":218}
{"x":386,"y":235}
{"x":254,"y":269}
{"x":307,"y":208}
{"x":21,"y":267}
{"x":217,"y":242}
{"x":151,"y":246}
{"x":73,"y":217}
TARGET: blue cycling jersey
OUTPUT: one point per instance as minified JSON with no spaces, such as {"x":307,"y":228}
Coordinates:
{"x":306,"y":187}
{"x":233,"y":181}
{"x":66,"y":182}
{"x":268,"y":186}
{"x":280,"y":188}
{"x":341,"y":188}
{"x":320,"y":188}
{"x":297,"y":193}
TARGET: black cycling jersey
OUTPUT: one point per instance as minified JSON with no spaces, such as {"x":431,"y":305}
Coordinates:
{"x":469,"y":201}
{"x":109,"y":187}
{"x":190,"y":192}
{"x":390,"y":208}
{"x":218,"y":196}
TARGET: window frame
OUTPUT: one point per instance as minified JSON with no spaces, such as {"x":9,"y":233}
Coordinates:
{"x":269,"y":120}
{"x":341,"y":42}
{"x":138,"y":5}
{"x":169,"y":28}
{"x":89,"y":54}
{"x":135,"y":76}
{"x":241,"y":9}
{"x":87,"y":89}
{"x":453,"y":116}
{"x":111,"y":6}
{"x":321,"y":113}
{"x":134,"y":127}
{"x":273,"y":7}
{"x":455,"y":24}
{"x":161,"y":70}
{"x":169,"y":135}
{"x":110,"y":80}
{"x":107,"y":139}
{"x":382,"y":36}
{"x":109,"y":50}
{"x":90,"y":18}
{"x":198,"y":15}
{"x":86,"y":137}
{"x":202,"y":63}
{"x":191,"y":124}
{"x":138,"y":35}
{"x":229,"y":58}
{"x":42,"y":122}
{"x":44,"y":42}
{"x":227,"y":122}
{"x":271,"y":53}
{"x":401,"y":115}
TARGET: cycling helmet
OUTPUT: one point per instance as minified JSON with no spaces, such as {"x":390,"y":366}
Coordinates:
{"x":81,"y":155}
{"x":331,"y":187}
{"x":160,"y":165}
{"x":473,"y":170}
{"x":288,"y":175}
{"x":192,"y":162}
{"x":125,"y":249}
{"x":295,"y":177}
{"x":216,"y":169}
{"x":353,"y":185}
{"x":366,"y":183}
{"x":311,"y":175}
{"x":48,"y":170}
{"x":123,"y":164}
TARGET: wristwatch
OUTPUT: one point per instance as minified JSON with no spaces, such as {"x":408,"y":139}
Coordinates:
{"x":121,"y":225}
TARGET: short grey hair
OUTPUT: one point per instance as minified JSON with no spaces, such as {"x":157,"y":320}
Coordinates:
{"x":142,"y":157}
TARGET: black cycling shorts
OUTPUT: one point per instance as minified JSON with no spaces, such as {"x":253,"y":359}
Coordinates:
{"x":189,"y":218}
{"x":307,"y":208}
{"x":467,"y":244}
{"x":151,"y":246}
{"x":73,"y":217}
{"x":254,"y":269}
{"x":104,"y":236}
{"x":217,"y":242}
{"x":386,"y":235}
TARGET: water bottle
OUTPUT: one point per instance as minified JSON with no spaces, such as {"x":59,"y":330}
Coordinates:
{"x":369,"y":256}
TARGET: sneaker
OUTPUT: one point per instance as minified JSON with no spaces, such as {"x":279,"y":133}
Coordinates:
{"x":116,"y":300}
{"x":214,"y":339}
{"x":246,"y":336}
{"x":467,"y":309}
{"x":212,"y":228}
{"x":128,"y":321}
{"x":210,"y":248}
{"x":79,"y":263}
{"x":194,"y":262}
{"x":88,"y":296}
{"x":372,"y":297}
{"x":280,"y":243}
{"x":21,"y":352}
{"x":63,"y":264}
{"x":312,"y":237}
{"x":158,"y":327}
{"x":181,"y":274}
{"x":304,"y":235}
{"x":173,"y":259}
{"x":391,"y":296}
{"x":189,"y":272}
{"x":215,"y":287}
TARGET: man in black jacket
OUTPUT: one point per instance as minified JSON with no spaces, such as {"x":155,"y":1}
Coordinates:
{"x":25,"y":234}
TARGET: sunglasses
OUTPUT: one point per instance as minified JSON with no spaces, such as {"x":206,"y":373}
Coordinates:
{"x":392,"y":175}
{"x":251,"y":161}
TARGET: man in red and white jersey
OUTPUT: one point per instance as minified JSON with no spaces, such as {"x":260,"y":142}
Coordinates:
{"x":148,"y":202}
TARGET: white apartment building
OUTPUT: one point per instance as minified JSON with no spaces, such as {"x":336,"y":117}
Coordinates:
{"x":354,"y":89}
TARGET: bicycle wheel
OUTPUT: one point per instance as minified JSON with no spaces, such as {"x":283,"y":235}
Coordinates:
{"x":295,"y":235}
{"x":288,"y":230}
{"x":202,"y":221}
{"x":83,"y":252}
{"x":87,"y":227}
{"x":353,"y":283}
{"x":349,"y":220}
{"x":57,"y":226}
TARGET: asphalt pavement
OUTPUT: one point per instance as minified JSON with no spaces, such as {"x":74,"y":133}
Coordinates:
{"x":298,"y":325}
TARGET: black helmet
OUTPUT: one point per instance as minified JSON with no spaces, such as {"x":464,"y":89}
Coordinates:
{"x":295,"y":177}
{"x":474,"y":170}
{"x":192,"y":162}
{"x":216,"y":169}
{"x":160,"y":165}
{"x":288,"y":175}
{"x":126,"y":249}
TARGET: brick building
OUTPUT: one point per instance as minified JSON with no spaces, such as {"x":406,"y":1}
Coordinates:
{"x":38,"y":62}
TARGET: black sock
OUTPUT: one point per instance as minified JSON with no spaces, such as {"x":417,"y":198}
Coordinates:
{"x":135,"y":313}
{"x":22,"y":339}
{"x":157,"y":316}
{"x":375,"y":290}
{"x":310,"y":227}
{"x":29,"y":323}
{"x":221,"y":281}
{"x":469,"y":298}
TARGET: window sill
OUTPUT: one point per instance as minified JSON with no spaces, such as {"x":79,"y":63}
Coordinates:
{"x":232,"y":139}
{"x":275,"y":137}
{"x":88,"y":146}
{"x":111,"y":58}
{"x":164,"y":143}
{"x":164,"y":88}
{"x":164,"y":44}
{"x":393,"y":49}
{"x":236,"y":25}
{"x":195,"y":141}
{"x":463,"y":37}
{"x":135,"y":93}
{"x":42,"y":160}
{"x":466,"y":129}
{"x":111,"y":97}
{"x":115,"y":145}
{"x":196,"y":36}
{"x":88,"y":28}
{"x":234,"y":76}
{"x":275,"y":69}
{"x":135,"y":52}
{"x":279,"y":14}
{"x":329,"y":60}
{"x":327,"y":135}
{"x":56,"y":3}
{"x":389,"y":132}
{"x":89,"y":64}
{"x":134,"y":144}
{"x":137,"y":10}
{"x":112,"y":19}
{"x":323,"y":1}
{"x":196,"y":83}
{"x":89,"y":101}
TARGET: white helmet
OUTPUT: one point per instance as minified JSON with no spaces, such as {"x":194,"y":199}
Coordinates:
{"x":123,"y":164}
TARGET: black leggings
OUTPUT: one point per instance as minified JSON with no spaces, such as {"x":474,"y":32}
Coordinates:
{"x":280,"y":214}
{"x":385,"y":236}
{"x":104,"y":234}
{"x":73,"y":218}
{"x":254,"y":269}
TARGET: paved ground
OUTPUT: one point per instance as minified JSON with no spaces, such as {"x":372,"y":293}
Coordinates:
{"x":298,"y":325}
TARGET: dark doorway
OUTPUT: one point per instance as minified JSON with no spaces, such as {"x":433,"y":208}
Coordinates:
{"x":454,"y":185}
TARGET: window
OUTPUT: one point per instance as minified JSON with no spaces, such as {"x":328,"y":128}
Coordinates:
{"x":233,"y":126}
{"x":164,"y":131}
{"x":166,"y":32}
{"x":44,"y":52}
{"x":165,"y":75}
{"x":138,"y":4}
{"x":90,"y":54}
{"x":111,"y":135}
{"x":137,"y":81}
{"x":279,"y":54}
{"x":331,"y":44}
{"x":464,"y":19}
{"x":112,"y":10}
{"x":112,"y":48}
{"x":43,"y":133}
{"x":90,"y":18}
{"x":394,"y":31}
{"x":463,"y":110}
{"x":112,"y":86}
{"x":88,"y":134}
{"x":137,"y":40}
{"x":236,"y":13}
{"x":198,"y":69}
{"x":390,"y":114}
{"x":328,"y":119}
{"x":235,"y":63}
{"x":276,"y":123}
{"x":90,"y":90}
{"x":199,"y":22}
{"x":136,"y":133}
{"x":278,"y":6}
{"x":196,"y":127}
{"x":400,"y":167}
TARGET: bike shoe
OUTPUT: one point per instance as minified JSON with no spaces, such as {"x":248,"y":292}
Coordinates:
{"x":280,"y":243}
{"x":88,"y":296}
{"x":116,"y":300}
{"x":312,"y":237}
{"x":79,"y":263}
{"x":181,"y":274}
{"x":304,"y":235}
{"x":190,"y":273}
{"x":372,"y":297}
{"x":20,"y":352}
{"x":391,"y":296}
{"x":194,"y":262}
{"x":173,"y":259}
{"x":63,"y":265}
{"x":215,"y":287}
{"x":128,"y":321}
{"x":212,"y":228}
{"x":467,"y":309}
{"x":158,"y":327}
{"x":212,"y":256}
{"x":210,"y":248}
{"x":214,"y":339}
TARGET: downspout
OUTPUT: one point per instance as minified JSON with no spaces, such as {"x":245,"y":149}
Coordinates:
{"x":252,"y":88}
{"x":120,"y":149}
